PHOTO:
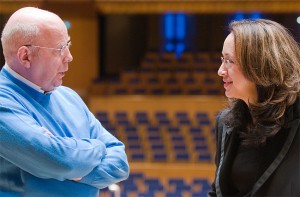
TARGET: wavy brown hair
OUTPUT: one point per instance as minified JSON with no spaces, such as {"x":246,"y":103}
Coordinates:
{"x":270,"y":57}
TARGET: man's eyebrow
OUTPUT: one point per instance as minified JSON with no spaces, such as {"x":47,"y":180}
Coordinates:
{"x":63,"y":43}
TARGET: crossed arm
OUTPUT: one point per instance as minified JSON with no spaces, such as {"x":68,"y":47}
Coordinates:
{"x":97,"y":161}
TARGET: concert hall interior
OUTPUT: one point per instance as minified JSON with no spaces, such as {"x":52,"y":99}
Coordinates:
{"x":147,"y":69}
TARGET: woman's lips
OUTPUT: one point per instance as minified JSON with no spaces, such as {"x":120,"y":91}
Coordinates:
{"x":227,"y":84}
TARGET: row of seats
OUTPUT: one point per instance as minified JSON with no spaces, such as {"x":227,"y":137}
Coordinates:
{"x":199,"y":118}
{"x":187,"y":61}
{"x":138,"y":184}
{"x":163,"y":137}
{"x":161,"y":83}
{"x":166,"y":74}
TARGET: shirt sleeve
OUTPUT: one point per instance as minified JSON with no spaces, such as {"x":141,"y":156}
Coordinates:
{"x":114,"y":166}
{"x":25,"y":143}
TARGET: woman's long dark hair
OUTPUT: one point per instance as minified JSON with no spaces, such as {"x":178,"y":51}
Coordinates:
{"x":270,"y":57}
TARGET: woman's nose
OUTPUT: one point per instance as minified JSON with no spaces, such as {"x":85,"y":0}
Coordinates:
{"x":222,"y":71}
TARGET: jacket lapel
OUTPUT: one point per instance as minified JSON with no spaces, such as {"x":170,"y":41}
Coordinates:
{"x":228,"y":148}
{"x":292,"y":127}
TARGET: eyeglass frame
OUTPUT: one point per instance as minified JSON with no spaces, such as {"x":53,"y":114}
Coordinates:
{"x":68,"y":45}
{"x":227,"y":62}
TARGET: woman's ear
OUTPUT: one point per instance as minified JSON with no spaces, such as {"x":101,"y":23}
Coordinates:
{"x":24,"y":56}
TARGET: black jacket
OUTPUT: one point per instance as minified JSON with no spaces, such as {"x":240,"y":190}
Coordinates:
{"x":282,"y":177}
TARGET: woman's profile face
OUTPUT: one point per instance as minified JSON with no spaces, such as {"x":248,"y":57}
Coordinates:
{"x":235,"y":83}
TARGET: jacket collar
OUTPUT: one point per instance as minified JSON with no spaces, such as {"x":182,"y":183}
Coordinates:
{"x":292,"y":122}
{"x":230,"y":140}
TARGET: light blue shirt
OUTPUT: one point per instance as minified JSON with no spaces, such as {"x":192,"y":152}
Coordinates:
{"x":34,"y":163}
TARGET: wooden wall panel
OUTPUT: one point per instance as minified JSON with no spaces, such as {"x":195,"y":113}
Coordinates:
{"x":197,"y":6}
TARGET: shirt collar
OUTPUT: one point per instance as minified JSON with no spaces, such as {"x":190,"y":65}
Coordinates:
{"x":24,"y":80}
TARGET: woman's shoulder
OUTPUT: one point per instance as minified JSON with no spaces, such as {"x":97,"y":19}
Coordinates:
{"x":222,"y":114}
{"x":220,"y":121}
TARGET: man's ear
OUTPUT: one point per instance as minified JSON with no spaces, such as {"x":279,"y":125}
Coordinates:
{"x":24,"y":56}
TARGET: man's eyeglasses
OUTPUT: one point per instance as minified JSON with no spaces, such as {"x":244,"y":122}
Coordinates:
{"x":61,"y":50}
{"x":226,"y":62}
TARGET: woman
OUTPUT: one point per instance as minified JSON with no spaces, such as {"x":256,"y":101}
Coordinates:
{"x":257,"y":136}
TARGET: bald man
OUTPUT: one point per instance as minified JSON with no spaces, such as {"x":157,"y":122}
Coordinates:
{"x":50,"y":143}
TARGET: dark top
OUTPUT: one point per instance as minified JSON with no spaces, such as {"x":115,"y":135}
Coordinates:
{"x":270,"y":170}
{"x":250,"y":163}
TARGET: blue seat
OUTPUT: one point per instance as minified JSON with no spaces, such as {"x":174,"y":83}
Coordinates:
{"x":194,"y":130}
{"x":177,"y":138}
{"x":201,"y":115}
{"x":134,"y":146}
{"x":179,"y":185}
{"x":153,"y":80}
{"x":134,"y":80}
{"x":159,"y":146}
{"x":204,"y":157}
{"x":121,"y":114}
{"x":162,"y":118}
{"x":103,"y":118}
{"x":161,"y":114}
{"x":164,"y":121}
{"x":137,"y":156}
{"x":208,"y":80}
{"x":122,"y":118}
{"x":133,"y":138}
{"x":101,"y":115}
{"x":120,"y":91}
{"x":194,"y":91}
{"x":130,"y":129}
{"x":184,"y":121}
{"x":201,"y":147}
{"x":199,"y":194}
{"x":173,"y":129}
{"x":179,"y":147}
{"x":154,"y":184}
{"x":202,"y":118}
{"x":123,"y":122}
{"x":202,"y":181}
{"x":142,"y":118}
{"x":175,"y":91}
{"x":199,"y":138}
{"x":190,"y":80}
{"x":154,"y":138}
{"x":136,"y":175}
{"x":146,"y":194}
{"x":129,"y":187}
{"x":204,"y":185}
{"x":214,"y":91}
{"x":139,"y":90}
{"x":173,"y":194}
{"x":181,"y":114}
{"x":182,"y":156}
{"x":152,"y":129}
{"x":159,"y":156}
{"x":203,"y":122}
{"x":172,"y":80}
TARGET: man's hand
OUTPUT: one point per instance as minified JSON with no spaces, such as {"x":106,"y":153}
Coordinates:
{"x":76,"y":179}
